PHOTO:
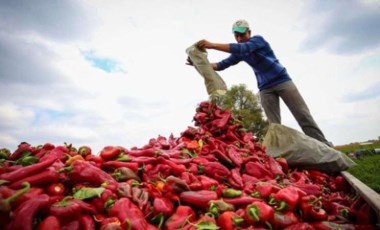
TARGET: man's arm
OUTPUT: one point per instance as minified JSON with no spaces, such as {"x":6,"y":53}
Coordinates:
{"x":204,"y":44}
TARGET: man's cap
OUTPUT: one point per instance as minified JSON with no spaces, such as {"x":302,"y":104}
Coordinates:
{"x":240,"y":26}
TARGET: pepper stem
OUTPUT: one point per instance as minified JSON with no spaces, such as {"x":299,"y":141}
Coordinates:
{"x":237,"y":220}
{"x":254,"y":212}
{"x":19,"y":193}
{"x":283,"y":205}
{"x":269,"y":225}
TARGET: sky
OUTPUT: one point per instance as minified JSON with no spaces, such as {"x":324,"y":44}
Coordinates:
{"x":98,"y":73}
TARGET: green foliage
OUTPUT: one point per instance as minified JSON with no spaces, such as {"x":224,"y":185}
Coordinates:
{"x":367,"y":171}
{"x":367,"y":165}
{"x":245,"y":107}
{"x":352,"y":147}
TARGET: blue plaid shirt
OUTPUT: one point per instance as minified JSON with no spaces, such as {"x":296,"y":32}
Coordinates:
{"x":260,"y":56}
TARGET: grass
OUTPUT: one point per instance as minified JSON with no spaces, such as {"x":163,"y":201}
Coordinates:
{"x":367,"y":169}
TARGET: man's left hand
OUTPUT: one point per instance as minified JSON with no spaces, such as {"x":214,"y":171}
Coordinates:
{"x":204,"y":44}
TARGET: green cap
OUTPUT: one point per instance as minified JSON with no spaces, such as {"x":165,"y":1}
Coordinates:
{"x":240,"y":26}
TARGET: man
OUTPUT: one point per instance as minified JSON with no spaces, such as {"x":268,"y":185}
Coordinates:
{"x":272,"y":78}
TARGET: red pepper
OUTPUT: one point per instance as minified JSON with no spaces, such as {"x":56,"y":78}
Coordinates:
{"x":221,"y":122}
{"x":342,"y":184}
{"x":300,"y":226}
{"x":85,"y":172}
{"x":241,"y":201}
{"x":163,"y":205}
{"x":119,"y":164}
{"x":66,"y":209}
{"x":365,"y":215}
{"x":140,"y":160}
{"x":258,"y":170}
{"x":49,"y":223}
{"x":154,"y":172}
{"x":105,"y":201}
{"x":147,"y":152}
{"x":6,"y":202}
{"x":31,"y":194}
{"x":96,"y":160}
{"x":216,"y":170}
{"x":249,"y":180}
{"x":235,"y":179}
{"x":110,"y":223}
{"x":309,"y":189}
{"x":162,"y":208}
{"x":84,"y":151}
{"x":109,"y":152}
{"x":21,"y":149}
{"x":311,"y":208}
{"x":199,"y":198}
{"x":124,"y":174}
{"x":207,"y":182}
{"x":358,"y":201}
{"x":140,"y":197}
{"x":222,"y":157}
{"x":176,"y":169}
{"x":229,"y":220}
{"x":59,"y":152}
{"x":180,"y":217}
{"x":317,"y":176}
{"x":73,"y":158}
{"x":233,"y":137}
{"x":264,"y":189}
{"x":200,"y":118}
{"x":87,"y":222}
{"x":7,"y":167}
{"x":283,"y":163}
{"x":28,"y":170}
{"x":275,"y":167}
{"x":299,"y":177}
{"x":235,"y":156}
{"x":130,"y":216}
{"x":203,"y":222}
{"x":283,"y":220}
{"x":47,"y":176}
{"x":259,"y":212}
{"x":55,"y":189}
{"x":85,"y":207}
{"x":287,"y":198}
{"x":218,"y":206}
{"x":191,"y":180}
{"x":23,"y":216}
{"x":72,"y":225}
{"x":337,"y":209}
{"x":328,"y":225}
{"x":45,"y":149}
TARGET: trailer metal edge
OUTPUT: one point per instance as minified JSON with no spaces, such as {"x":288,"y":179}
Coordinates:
{"x":368,"y":194}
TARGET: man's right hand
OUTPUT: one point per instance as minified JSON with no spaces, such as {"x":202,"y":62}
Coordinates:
{"x":189,"y":62}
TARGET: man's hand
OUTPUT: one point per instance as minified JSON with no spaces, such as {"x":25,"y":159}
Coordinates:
{"x":204,"y":44}
{"x":189,"y":61}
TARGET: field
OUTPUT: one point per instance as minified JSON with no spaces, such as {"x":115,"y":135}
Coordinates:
{"x":367,"y":169}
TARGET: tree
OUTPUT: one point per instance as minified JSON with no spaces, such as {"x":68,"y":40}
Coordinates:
{"x":245,"y":107}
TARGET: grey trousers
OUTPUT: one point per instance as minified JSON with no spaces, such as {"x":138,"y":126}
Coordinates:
{"x":288,"y":92}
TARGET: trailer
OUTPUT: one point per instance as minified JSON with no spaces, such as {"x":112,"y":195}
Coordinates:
{"x":368,"y":194}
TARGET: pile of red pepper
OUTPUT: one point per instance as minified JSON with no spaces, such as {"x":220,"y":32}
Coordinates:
{"x":214,"y":176}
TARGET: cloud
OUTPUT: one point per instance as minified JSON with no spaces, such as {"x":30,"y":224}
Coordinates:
{"x":344,"y":28}
{"x":17,"y":65}
{"x":58,"y":20}
{"x":370,"y":93}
